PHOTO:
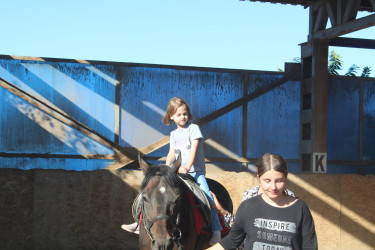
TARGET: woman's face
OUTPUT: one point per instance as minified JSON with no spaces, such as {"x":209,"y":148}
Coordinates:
{"x":272,"y":184}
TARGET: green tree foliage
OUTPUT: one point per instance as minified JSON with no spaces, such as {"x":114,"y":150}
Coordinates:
{"x":296,"y":60}
{"x":335,"y":63}
{"x":352,"y":71}
{"x":366,"y":72}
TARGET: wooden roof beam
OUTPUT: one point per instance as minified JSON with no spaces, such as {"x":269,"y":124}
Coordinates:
{"x":351,"y":10}
{"x":352,"y":43}
{"x":338,"y":11}
{"x":332,"y":13}
{"x":343,"y":29}
{"x":320,"y":20}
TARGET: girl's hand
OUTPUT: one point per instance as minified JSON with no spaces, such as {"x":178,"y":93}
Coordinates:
{"x":219,"y":208}
{"x":182,"y":170}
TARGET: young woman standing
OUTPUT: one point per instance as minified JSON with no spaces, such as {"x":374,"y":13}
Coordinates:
{"x":274,"y":219}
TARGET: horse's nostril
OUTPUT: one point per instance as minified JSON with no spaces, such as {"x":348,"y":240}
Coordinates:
{"x":170,"y":244}
{"x":164,"y":244}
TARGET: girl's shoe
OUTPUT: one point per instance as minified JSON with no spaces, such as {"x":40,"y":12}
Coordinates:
{"x":132,"y":228}
{"x":216,"y":237}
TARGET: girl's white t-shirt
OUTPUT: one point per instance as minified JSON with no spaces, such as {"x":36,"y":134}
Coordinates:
{"x":181,"y":140}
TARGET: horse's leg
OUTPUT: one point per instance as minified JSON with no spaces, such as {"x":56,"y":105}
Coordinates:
{"x":202,"y":241}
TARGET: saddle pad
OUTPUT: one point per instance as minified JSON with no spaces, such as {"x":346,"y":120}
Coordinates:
{"x":198,"y":217}
{"x":202,"y":201}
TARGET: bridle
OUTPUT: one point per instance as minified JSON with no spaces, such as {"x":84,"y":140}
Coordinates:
{"x":175,"y":231}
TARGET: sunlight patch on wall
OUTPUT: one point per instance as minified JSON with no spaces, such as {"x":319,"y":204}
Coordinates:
{"x":102,"y":75}
{"x":71,"y":90}
{"x":67,"y":135}
{"x":154,"y":108}
{"x":137,"y":133}
{"x":23,"y":86}
{"x":222,"y":149}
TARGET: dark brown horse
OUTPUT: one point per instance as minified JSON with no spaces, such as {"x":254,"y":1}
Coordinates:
{"x":167,"y":219}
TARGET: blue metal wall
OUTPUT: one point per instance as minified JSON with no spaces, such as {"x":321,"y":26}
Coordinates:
{"x":145,"y":93}
{"x":87,"y":92}
{"x":369,"y":120}
{"x":273,"y":120}
{"x":351,"y":124}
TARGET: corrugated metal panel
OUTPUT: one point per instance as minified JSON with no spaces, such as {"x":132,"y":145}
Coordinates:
{"x":304,"y":3}
{"x":83,"y":91}
{"x":342,"y":169}
{"x":342,"y":120}
{"x":145,"y":93}
{"x":273,"y":119}
{"x":365,"y":4}
{"x":87,"y":93}
{"x":53,"y":163}
{"x":369,"y":121}
{"x":26,"y":129}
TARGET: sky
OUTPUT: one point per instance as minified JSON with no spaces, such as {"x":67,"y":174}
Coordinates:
{"x":229,"y":34}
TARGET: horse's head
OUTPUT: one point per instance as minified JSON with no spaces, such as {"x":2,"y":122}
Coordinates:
{"x":162,"y":197}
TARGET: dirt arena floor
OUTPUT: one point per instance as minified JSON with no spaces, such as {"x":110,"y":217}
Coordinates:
{"x":58,"y":209}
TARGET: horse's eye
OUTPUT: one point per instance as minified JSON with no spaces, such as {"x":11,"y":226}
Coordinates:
{"x":144,"y":198}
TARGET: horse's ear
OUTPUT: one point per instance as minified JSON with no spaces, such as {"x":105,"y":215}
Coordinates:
{"x":177,"y":163}
{"x":142,"y":163}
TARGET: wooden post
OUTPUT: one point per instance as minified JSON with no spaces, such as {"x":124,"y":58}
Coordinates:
{"x":314,"y":98}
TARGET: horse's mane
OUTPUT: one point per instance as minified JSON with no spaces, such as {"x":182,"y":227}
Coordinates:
{"x":166,"y":174}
